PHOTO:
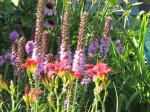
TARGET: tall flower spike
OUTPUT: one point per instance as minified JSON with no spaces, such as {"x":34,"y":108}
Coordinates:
{"x":39,"y":27}
{"x":21,"y":50}
{"x":65,"y":51}
{"x":14,"y":53}
{"x":79,"y":57}
{"x":45,"y":42}
{"x":106,"y":39}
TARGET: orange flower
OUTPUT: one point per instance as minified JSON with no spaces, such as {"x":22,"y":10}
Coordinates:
{"x":31,"y":65}
{"x":99,"y":70}
{"x":31,"y":95}
{"x":62,"y":66}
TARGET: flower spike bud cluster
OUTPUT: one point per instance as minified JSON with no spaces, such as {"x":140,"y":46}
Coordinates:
{"x":79,"y":57}
{"x":21,"y":50}
{"x":45,"y":42}
{"x":14,"y":53}
{"x":106,"y":37}
{"x":65,"y":50}
{"x":39,"y":27}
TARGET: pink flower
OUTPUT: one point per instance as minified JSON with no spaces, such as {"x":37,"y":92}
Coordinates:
{"x":99,"y":70}
{"x":62,"y":66}
{"x":50,"y":24}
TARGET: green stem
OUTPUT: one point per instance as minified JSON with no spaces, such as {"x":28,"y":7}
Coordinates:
{"x":13,"y":103}
{"x":75,"y":94}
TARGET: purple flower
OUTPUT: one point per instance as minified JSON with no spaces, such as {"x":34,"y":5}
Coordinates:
{"x":50,"y":8}
{"x":104,"y":46}
{"x":7,"y":56}
{"x":35,"y":53}
{"x":50,"y":25}
{"x":1,"y":61}
{"x":66,"y":103}
{"x":39,"y":70}
{"x":120,"y":47}
{"x":14,"y":35}
{"x":29,"y":47}
{"x":93,"y":47}
{"x":85,"y":80}
{"x":79,"y":61}
{"x":65,"y":54}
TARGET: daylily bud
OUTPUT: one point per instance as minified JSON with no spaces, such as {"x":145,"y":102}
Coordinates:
{"x":3,"y":84}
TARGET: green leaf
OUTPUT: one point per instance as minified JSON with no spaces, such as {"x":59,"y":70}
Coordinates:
{"x":15,"y":2}
{"x":132,"y":98}
{"x":114,"y":2}
{"x":65,"y":2}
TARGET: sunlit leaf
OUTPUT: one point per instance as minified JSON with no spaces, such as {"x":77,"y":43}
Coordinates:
{"x":126,"y":1}
{"x":65,"y":2}
{"x":114,"y":2}
{"x":15,"y":2}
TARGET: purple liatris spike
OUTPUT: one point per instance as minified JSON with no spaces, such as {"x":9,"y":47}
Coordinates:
{"x":1,"y":61}
{"x":13,"y":35}
{"x":79,"y":57}
{"x":79,"y":61}
{"x":104,"y":46}
{"x":65,"y":50}
{"x":35,"y":53}
{"x":93,"y":47}
{"x":85,"y":80}
{"x":29,"y":47}
{"x":21,"y":50}
{"x":106,"y":39}
{"x":14,"y":53}
{"x":119,"y":46}
{"x":39,"y":27}
{"x":45,"y":42}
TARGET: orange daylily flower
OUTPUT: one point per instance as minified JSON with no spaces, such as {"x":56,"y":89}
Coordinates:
{"x":31,"y":65}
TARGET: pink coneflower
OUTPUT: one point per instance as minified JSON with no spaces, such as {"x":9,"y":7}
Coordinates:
{"x":50,"y":8}
{"x":50,"y":24}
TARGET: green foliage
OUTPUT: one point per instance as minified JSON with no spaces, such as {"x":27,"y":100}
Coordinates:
{"x":130,"y":80}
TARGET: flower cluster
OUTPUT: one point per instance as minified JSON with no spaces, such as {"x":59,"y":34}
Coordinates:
{"x":65,"y":51}
{"x":31,"y":95}
{"x":120,"y":47}
{"x":50,"y":12}
{"x":106,"y":38}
